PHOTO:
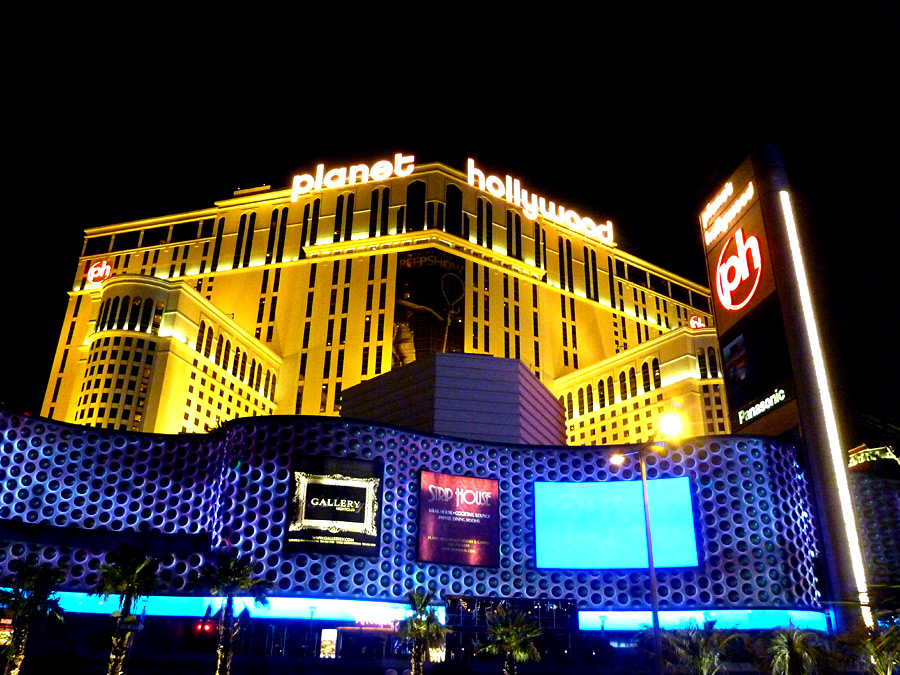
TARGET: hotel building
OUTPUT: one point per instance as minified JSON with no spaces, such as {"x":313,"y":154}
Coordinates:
{"x":274,"y":301}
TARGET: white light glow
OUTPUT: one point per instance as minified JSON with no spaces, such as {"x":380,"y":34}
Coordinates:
{"x":358,"y":174}
{"x":716,"y":204}
{"x":837,"y":456}
{"x":512,"y":191}
{"x":722,"y":223}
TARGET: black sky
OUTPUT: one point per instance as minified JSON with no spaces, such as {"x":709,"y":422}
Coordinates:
{"x":635,"y":119}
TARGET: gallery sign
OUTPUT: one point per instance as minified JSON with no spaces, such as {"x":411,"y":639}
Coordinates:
{"x":459,"y":520}
{"x":335,"y":506}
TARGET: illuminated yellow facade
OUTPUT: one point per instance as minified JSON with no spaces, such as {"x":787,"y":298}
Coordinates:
{"x":263,"y":305}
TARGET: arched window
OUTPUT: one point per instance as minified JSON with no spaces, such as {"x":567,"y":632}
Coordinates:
{"x":338,"y":217}
{"x":226,"y":354}
{"x":135,"y":314}
{"x":632,"y":382}
{"x":266,"y":387}
{"x":122,"y":319}
{"x":258,"y":377}
{"x":272,"y":388}
{"x":219,"y":345}
{"x":157,"y":316}
{"x":570,"y":408}
{"x":590,"y":399}
{"x":701,"y":362}
{"x":237,"y":361}
{"x":101,"y":317}
{"x":251,"y":226}
{"x":713,"y":363}
{"x":240,"y":241}
{"x":610,"y":391}
{"x":243,"y":374}
{"x":453,"y":198}
{"x":645,"y":376}
{"x":207,"y":349}
{"x":601,"y":395}
{"x":581,"y":401}
{"x":562,"y":402}
{"x":201,"y":334}
{"x":623,"y":386}
{"x":657,"y":380}
{"x":146,"y":314}
{"x":415,"y":206}
{"x":252,"y":373}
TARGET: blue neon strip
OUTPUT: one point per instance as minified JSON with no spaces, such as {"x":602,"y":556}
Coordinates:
{"x":740,"y":619}
{"x":279,"y":608}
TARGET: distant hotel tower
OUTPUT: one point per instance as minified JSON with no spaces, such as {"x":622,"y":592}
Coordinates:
{"x":261,"y":305}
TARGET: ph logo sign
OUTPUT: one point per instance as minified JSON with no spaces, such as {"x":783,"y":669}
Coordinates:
{"x":99,"y":271}
{"x":738,"y":271}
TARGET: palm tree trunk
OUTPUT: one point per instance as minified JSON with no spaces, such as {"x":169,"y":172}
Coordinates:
{"x":226,"y":638}
{"x":121,"y":640}
{"x":19,"y":639}
{"x":509,"y":665}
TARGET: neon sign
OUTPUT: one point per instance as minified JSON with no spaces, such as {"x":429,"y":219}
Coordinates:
{"x":697,"y":322}
{"x":357,"y":174}
{"x":722,"y":222}
{"x":766,"y":404}
{"x":511,"y":191}
{"x":735,"y":271}
{"x":99,"y":271}
{"x":716,"y":204}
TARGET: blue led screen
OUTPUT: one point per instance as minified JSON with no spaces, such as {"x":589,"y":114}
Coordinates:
{"x":601,"y":525}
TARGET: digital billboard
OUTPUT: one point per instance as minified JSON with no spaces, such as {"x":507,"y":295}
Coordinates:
{"x":459,"y":520}
{"x":601,"y":525}
{"x":335,"y":506}
{"x":430,"y":305}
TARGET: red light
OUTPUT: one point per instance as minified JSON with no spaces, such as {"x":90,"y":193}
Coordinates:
{"x":734,"y":273}
{"x":99,"y":271}
{"x":207,"y":627}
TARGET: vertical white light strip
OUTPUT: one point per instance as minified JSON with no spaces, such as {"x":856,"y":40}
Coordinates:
{"x":837,"y":456}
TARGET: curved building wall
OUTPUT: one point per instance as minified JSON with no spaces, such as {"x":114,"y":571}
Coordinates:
{"x":72,"y":493}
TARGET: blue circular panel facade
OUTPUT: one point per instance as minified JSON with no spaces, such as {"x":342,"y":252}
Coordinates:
{"x":70,"y":494}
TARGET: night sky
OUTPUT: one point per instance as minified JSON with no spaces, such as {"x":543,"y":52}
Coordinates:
{"x":641,"y":129}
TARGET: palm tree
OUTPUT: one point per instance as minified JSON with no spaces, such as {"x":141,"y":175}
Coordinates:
{"x":794,"y":651}
{"x":27,"y":595}
{"x":422,"y":628}
{"x":131,"y":574}
{"x":697,"y":651}
{"x":511,"y":635}
{"x":231,"y":577}
{"x":881,"y":650}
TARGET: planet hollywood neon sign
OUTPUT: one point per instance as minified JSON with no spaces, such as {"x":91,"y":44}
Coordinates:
{"x":357,"y":174}
{"x":510,"y":189}
{"x":734,"y":272}
{"x":98,"y":272}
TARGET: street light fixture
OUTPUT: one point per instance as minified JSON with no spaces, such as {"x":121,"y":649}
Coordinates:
{"x":669,"y":427}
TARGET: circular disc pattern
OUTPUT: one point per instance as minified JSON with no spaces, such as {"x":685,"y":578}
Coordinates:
{"x":756,"y":535}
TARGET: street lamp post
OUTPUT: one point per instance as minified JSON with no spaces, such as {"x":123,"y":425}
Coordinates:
{"x":670,"y":426}
{"x":654,"y":587}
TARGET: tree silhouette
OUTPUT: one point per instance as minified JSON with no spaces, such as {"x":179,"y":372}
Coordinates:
{"x":697,"y":651}
{"x":27,"y":596}
{"x":131,"y":574}
{"x":794,"y":651}
{"x":511,"y":634}
{"x":422,"y":628}
{"x":231,"y":577}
